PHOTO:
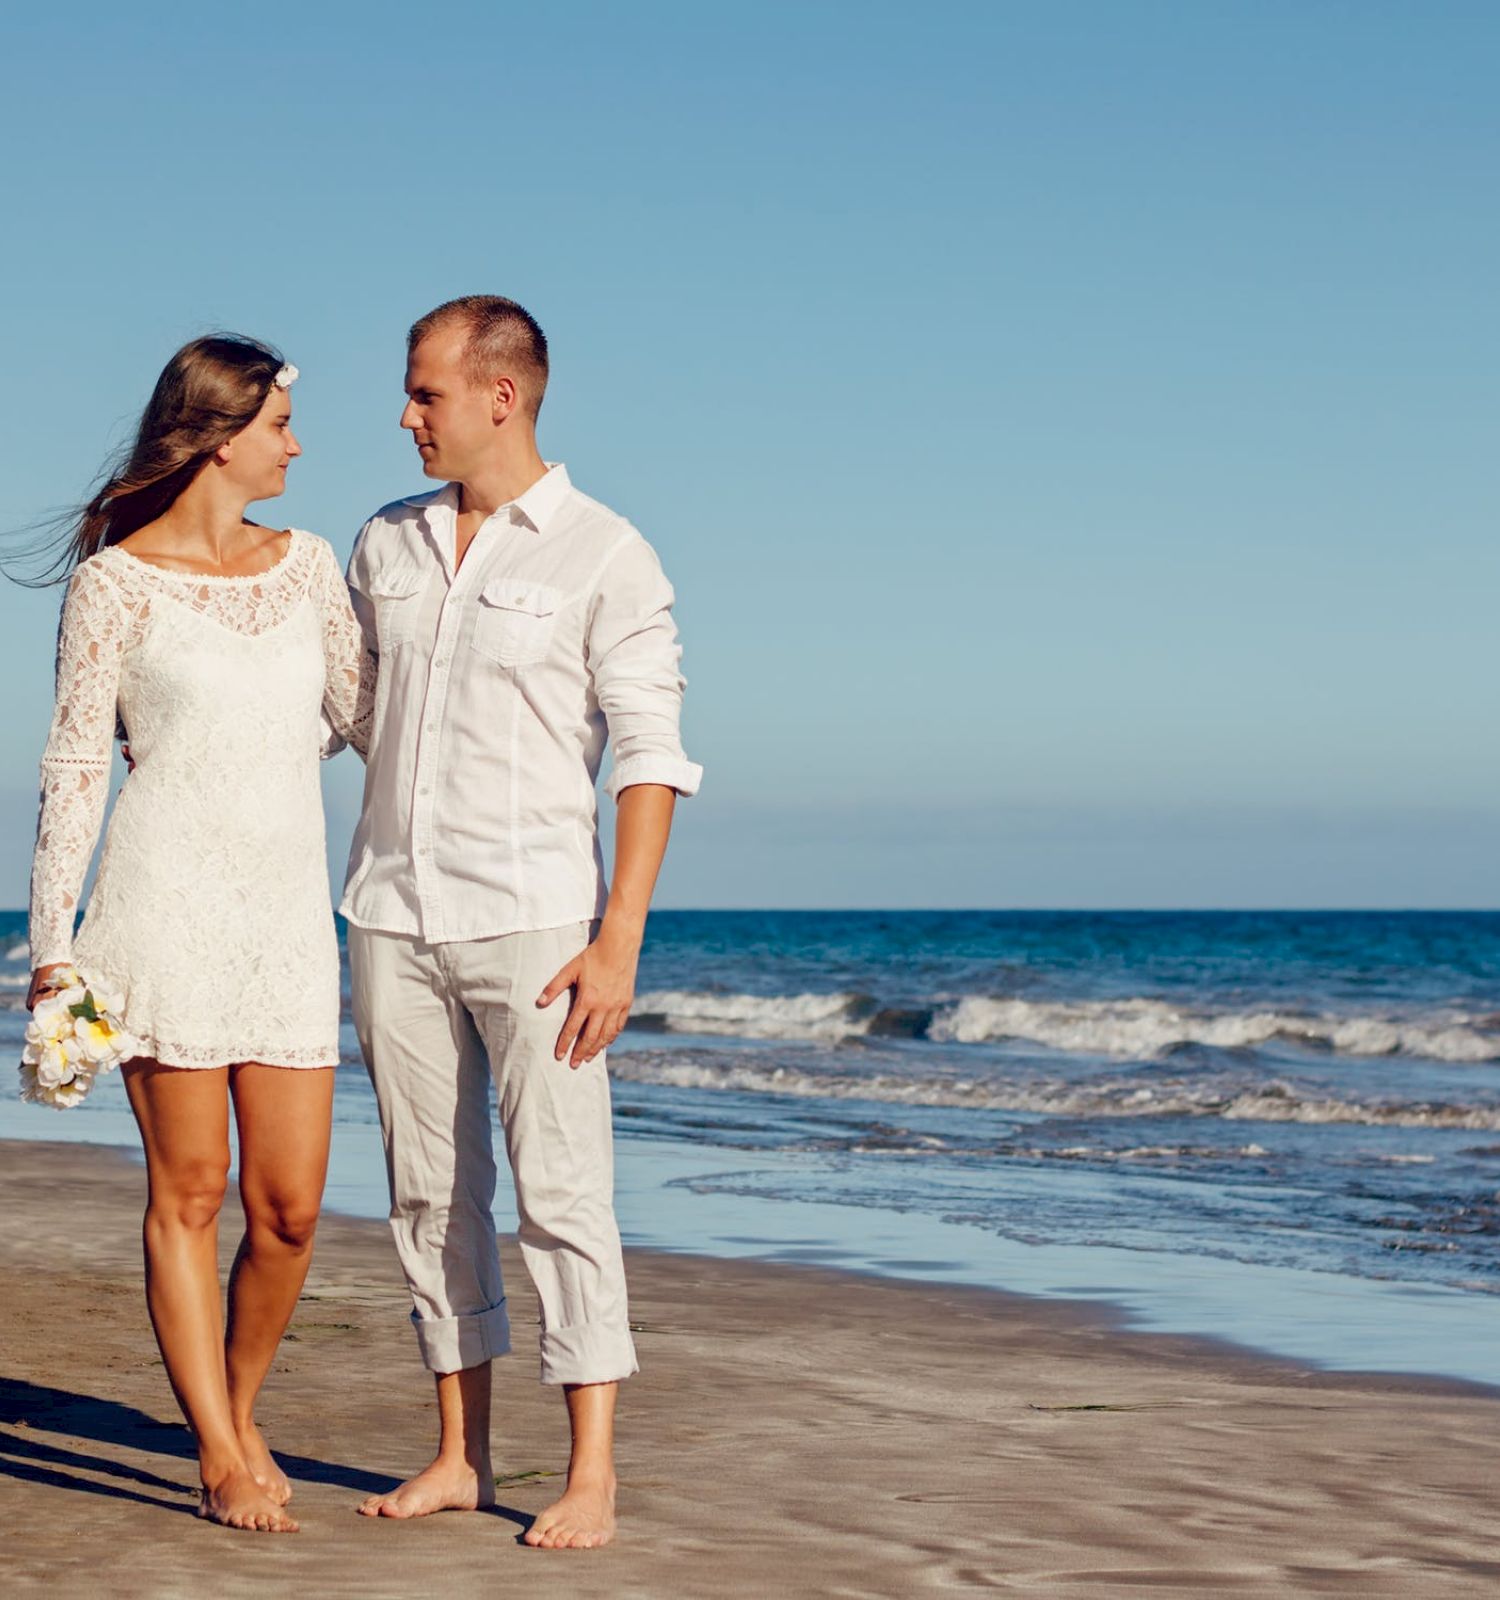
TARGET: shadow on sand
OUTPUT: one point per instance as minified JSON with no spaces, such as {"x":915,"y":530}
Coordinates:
{"x":27,"y":1409}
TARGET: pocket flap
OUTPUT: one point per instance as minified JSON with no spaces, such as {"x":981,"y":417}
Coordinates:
{"x":519,"y":594}
{"x":395,"y":583}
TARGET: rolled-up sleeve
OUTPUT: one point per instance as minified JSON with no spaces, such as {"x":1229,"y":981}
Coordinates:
{"x":633,"y":657}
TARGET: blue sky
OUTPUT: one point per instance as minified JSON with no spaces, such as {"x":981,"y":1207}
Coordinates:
{"x":1069,"y":427}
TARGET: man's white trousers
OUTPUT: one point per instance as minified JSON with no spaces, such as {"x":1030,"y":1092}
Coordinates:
{"x":436,"y":1023}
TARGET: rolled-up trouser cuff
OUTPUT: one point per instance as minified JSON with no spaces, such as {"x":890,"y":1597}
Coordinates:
{"x":588,"y":1352}
{"x":449,"y":1344}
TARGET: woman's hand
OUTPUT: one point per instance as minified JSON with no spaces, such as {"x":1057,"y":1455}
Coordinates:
{"x":41,"y":983}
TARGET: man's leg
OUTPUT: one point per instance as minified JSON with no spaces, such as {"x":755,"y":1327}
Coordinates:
{"x":585,"y":1515}
{"x":556,"y":1120}
{"x":431,"y":1079}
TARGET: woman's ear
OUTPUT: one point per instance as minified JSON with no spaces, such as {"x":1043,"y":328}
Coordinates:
{"x":223,"y":453}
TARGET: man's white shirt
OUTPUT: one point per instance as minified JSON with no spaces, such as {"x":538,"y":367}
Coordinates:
{"x":499,"y":683}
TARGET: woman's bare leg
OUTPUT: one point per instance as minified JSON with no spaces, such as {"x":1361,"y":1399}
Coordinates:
{"x":183,"y":1116}
{"x":284,"y":1117}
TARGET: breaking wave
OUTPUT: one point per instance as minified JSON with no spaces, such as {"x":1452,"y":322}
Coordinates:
{"x":1143,"y":1029}
{"x":1270,"y":1102}
{"x":1130,"y":1029}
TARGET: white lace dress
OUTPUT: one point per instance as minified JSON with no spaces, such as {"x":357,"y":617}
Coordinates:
{"x":211,"y":912}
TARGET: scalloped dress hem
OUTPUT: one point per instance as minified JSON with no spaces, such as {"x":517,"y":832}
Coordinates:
{"x":166,"y":1056}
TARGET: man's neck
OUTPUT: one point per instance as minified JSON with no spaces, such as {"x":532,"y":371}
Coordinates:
{"x":499,"y":484}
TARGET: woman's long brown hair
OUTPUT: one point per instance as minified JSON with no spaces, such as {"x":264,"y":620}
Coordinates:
{"x":209,"y":391}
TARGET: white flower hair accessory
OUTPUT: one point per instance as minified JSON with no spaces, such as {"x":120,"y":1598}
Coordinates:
{"x":286,"y":377}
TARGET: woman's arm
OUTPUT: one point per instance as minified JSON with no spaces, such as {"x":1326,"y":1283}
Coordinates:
{"x":75,"y":764}
{"x":349,"y":692}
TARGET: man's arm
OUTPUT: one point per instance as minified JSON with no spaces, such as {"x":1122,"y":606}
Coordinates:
{"x":633,"y":660}
{"x":605,"y":971}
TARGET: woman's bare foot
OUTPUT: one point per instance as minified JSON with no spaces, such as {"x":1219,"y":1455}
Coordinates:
{"x":263,"y":1465}
{"x":238,"y":1501}
{"x":583,"y":1519}
{"x":443,"y":1486}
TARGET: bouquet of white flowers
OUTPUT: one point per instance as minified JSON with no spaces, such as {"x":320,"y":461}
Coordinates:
{"x":74,"y":1034}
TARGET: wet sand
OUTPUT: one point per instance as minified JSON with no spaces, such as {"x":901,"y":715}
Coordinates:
{"x":794,"y":1431}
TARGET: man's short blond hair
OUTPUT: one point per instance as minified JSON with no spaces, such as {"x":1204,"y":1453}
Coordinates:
{"x":501,"y":339}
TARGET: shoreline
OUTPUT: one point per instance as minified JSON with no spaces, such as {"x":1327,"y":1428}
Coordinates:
{"x":795,"y":1429}
{"x":691,"y":1200}
{"x":1108,"y":1317}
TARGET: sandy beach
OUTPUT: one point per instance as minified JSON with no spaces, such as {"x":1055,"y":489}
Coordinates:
{"x":794,"y":1431}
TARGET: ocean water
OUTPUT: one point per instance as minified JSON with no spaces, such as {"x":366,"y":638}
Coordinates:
{"x":1277,"y":1127}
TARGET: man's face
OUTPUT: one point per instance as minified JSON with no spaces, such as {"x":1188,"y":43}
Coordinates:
{"x":451,"y":419}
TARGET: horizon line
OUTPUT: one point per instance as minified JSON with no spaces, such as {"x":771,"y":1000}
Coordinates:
{"x":1041,"y":910}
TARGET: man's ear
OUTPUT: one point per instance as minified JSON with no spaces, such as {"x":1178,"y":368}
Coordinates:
{"x":505,"y":397}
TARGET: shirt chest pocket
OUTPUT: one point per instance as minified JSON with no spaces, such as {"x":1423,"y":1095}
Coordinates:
{"x":515,"y":620}
{"x":397,"y":594}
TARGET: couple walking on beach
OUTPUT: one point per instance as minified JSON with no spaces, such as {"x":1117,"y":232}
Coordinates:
{"x":486,"y":641}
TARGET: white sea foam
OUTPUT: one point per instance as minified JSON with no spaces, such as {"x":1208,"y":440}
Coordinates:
{"x":1271,"y":1102}
{"x":1128,"y":1029}
{"x":1144,"y":1029}
{"x":1143,"y":1152}
{"x":750,"y":1016}
{"x":18,"y":952}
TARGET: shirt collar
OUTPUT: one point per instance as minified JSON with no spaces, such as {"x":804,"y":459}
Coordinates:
{"x":537,"y":506}
{"x":543,"y":500}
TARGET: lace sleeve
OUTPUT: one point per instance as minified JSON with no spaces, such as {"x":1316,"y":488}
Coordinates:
{"x":75,"y":764}
{"x":349,"y":692}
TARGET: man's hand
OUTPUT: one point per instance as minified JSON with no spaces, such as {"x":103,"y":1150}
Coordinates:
{"x":41,"y":983}
{"x":603,"y":978}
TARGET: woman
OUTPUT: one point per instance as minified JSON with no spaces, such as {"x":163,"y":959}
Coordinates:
{"x":218,"y":644}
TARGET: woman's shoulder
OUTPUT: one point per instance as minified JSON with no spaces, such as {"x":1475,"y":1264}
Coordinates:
{"x":97,"y":573}
{"x":315,"y":553}
{"x":99,"y":594}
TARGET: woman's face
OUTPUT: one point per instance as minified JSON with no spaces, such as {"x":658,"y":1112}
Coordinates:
{"x":256,"y":459}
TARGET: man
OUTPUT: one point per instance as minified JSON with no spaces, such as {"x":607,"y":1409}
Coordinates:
{"x":518,"y":623}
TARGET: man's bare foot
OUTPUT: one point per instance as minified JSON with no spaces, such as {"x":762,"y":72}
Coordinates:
{"x":583,"y":1519}
{"x":444,"y":1486}
{"x":238,"y":1501}
{"x":263,"y":1465}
